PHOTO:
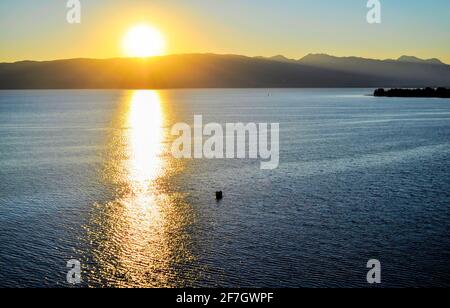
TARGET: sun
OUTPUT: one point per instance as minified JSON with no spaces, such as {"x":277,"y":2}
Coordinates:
{"x":143,"y":41}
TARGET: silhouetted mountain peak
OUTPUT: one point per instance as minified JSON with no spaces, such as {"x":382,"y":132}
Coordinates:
{"x":322,"y":58}
{"x":317,"y":57}
{"x":281,"y":58}
{"x":325,"y":59}
{"x":412,"y":59}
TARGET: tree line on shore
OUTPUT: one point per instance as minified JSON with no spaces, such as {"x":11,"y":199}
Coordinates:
{"x":421,"y":92}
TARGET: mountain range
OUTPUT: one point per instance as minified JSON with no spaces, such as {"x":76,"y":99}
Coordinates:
{"x":224,"y":71}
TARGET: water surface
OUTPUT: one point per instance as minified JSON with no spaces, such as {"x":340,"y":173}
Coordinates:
{"x":89,"y":175}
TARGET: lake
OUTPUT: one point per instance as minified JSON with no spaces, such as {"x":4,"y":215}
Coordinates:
{"x":88,"y":175}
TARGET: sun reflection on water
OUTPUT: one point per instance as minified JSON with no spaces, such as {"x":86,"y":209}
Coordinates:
{"x":145,"y":121}
{"x":138,"y":239}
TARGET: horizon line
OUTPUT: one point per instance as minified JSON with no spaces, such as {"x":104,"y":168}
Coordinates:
{"x":227,"y":54}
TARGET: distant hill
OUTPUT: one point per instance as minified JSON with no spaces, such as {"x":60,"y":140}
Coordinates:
{"x":404,"y":72}
{"x":417,"y":60}
{"x":223,"y":71}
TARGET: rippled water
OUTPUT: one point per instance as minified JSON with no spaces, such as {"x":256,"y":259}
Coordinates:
{"x":88,"y":175}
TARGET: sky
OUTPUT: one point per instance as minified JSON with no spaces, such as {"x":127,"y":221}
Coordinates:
{"x":38,"y":30}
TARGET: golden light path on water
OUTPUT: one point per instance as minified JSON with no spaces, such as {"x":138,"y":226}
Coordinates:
{"x":139,"y":239}
{"x":145,"y":121}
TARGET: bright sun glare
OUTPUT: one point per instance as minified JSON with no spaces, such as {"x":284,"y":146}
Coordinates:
{"x":143,"y":41}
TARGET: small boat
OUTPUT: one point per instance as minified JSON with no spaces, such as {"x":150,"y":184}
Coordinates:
{"x":219,"y":195}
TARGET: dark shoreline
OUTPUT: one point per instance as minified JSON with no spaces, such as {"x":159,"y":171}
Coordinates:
{"x":421,"y":92}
